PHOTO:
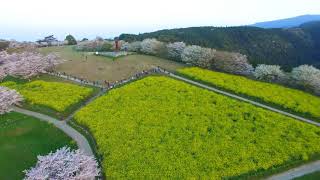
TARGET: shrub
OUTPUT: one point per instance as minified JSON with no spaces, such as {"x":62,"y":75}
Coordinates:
{"x":71,"y":40}
{"x":175,"y":50}
{"x":308,"y":77}
{"x":269,"y":73}
{"x":106,"y":47}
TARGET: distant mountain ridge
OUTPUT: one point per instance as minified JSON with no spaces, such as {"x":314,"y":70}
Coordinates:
{"x":289,"y":47}
{"x":289,"y":22}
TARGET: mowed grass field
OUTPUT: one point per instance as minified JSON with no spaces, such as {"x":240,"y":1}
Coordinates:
{"x":293,"y":100}
{"x":104,"y":68}
{"x":158,"y":127}
{"x":50,"y":95}
{"x":22,"y":138}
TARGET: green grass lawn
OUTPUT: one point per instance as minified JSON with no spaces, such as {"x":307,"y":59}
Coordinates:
{"x":292,"y":100}
{"x":312,"y":176}
{"x":50,"y":95}
{"x":22,"y":138}
{"x":104,"y":68}
{"x":158,"y":127}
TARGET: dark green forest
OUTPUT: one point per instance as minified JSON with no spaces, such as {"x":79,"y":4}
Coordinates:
{"x":286,"y":47}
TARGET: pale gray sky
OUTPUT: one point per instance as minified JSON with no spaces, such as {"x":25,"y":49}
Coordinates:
{"x":33,"y":19}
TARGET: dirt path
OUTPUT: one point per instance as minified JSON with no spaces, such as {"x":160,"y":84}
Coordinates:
{"x":81,"y":141}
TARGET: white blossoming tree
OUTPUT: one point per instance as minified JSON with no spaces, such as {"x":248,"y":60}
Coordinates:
{"x":307,"y":77}
{"x":197,"y":55}
{"x":230,"y":62}
{"x":175,"y":50}
{"x":64,"y":164}
{"x":152,"y":47}
{"x":26,"y":64}
{"x":132,"y":47}
{"x":268,"y":73}
{"x":8,"y":97}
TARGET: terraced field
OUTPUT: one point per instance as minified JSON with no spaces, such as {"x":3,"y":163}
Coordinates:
{"x":160,"y":127}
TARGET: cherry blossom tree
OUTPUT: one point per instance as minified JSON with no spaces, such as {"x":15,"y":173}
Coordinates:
{"x":197,"y":55}
{"x":8,"y":97}
{"x":231,"y":62}
{"x":27,"y":64}
{"x":135,"y":46}
{"x":64,"y":164}
{"x":152,"y":47}
{"x":175,"y":50}
{"x":307,"y":77}
{"x":268,"y":73}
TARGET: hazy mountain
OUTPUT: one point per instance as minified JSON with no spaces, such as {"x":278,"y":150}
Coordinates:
{"x":286,"y":47}
{"x":288,"y":23}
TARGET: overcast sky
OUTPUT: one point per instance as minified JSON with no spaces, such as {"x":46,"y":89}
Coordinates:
{"x":33,"y":19}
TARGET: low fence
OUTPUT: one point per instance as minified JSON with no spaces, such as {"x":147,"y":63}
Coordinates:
{"x":109,"y":85}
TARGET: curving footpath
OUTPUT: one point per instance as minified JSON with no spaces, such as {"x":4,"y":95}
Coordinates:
{"x":81,"y":141}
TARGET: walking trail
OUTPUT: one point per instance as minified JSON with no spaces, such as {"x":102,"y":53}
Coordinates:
{"x":81,"y":141}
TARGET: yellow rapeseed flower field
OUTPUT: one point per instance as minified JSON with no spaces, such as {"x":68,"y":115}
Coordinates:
{"x":159,"y":127}
{"x":56,"y":95}
{"x":287,"y":98}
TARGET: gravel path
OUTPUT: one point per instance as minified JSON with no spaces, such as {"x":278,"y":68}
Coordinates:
{"x":81,"y":141}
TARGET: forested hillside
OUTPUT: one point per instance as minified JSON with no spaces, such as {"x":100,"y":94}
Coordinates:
{"x":286,"y":47}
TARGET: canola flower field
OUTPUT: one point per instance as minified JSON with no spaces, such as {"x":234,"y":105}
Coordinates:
{"x":158,"y":127}
{"x":287,"y":98}
{"x":56,"y":95}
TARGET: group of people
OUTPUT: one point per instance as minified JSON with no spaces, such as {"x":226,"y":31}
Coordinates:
{"x":74,"y":78}
{"x":106,"y":84}
{"x":143,"y":73}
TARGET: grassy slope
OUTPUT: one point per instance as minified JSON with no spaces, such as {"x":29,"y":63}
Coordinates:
{"x":312,"y":176}
{"x":160,"y":127}
{"x":22,"y":138}
{"x":104,"y":68}
{"x":47,"y":110}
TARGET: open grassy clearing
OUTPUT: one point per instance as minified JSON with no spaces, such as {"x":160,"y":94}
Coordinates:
{"x":160,"y":127}
{"x":22,"y":138}
{"x":312,"y":176}
{"x":293,"y":100}
{"x":46,"y":95}
{"x":104,"y":68}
